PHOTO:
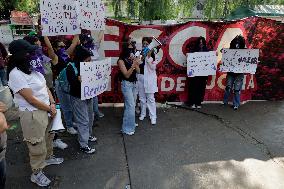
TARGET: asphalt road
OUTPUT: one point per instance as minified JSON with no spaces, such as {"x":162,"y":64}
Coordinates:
{"x":214,"y":148}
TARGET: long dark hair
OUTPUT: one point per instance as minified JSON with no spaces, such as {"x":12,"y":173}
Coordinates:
{"x":125,"y":53}
{"x":81,"y":53}
{"x":20,"y":61}
{"x":197,"y":44}
{"x":3,"y":51}
{"x":238,"y":40}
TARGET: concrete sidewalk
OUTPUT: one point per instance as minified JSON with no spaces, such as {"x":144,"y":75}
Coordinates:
{"x":215,"y":147}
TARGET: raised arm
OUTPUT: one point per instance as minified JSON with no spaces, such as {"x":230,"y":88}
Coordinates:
{"x":51,"y":53}
{"x":75,"y":42}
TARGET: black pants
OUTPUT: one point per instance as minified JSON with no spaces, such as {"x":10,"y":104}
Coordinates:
{"x":2,"y":173}
{"x":196,"y":90}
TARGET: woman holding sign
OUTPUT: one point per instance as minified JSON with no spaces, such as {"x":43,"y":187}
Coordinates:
{"x":197,"y":84}
{"x":235,"y":80}
{"x":129,"y":66}
{"x":82,"y":109}
{"x":64,"y":55}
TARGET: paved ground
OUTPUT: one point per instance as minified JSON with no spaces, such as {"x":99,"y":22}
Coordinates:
{"x":214,"y":148}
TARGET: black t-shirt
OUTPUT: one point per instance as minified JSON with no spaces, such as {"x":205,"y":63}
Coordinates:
{"x":128,"y":65}
{"x":75,"y":84}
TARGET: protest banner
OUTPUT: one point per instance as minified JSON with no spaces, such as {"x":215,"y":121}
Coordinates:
{"x":239,"y":60}
{"x":59,"y":17}
{"x":95,"y":77}
{"x":91,"y":14}
{"x":201,"y":64}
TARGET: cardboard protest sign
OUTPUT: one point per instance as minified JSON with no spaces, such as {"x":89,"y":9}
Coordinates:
{"x":6,"y":35}
{"x":95,"y":77}
{"x":239,"y":60}
{"x":91,"y":14}
{"x":201,"y":64}
{"x":59,"y":17}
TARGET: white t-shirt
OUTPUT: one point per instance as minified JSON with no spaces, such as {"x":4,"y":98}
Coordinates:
{"x":35,"y":81}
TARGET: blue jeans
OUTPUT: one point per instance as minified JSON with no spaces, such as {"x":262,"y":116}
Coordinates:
{"x":129,"y":93}
{"x":84,"y":119}
{"x":65,"y":105}
{"x":2,"y":173}
{"x":235,"y":82}
{"x":96,"y":106}
{"x":3,"y":78}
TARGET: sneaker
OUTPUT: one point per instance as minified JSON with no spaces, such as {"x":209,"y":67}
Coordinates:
{"x":198,"y":107}
{"x":72,"y":131}
{"x":236,"y":107}
{"x":141,"y":118}
{"x":136,"y":124}
{"x":92,"y":138}
{"x":100,"y":114}
{"x":40,"y":179}
{"x":88,"y":150}
{"x":153,"y":121}
{"x":59,"y":144}
{"x":54,"y":161}
{"x":193,"y":106}
{"x":224,"y":104}
{"x":129,"y":133}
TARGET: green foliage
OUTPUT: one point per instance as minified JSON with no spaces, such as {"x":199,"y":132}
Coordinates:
{"x":173,"y":9}
{"x":30,"y":6}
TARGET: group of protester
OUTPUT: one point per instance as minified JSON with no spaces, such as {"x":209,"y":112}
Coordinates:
{"x":37,"y":66}
{"x":34,"y":69}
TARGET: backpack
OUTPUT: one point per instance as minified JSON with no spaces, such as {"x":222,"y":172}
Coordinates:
{"x":62,"y":78}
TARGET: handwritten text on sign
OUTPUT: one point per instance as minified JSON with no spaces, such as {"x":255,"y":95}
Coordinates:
{"x":59,"y":17}
{"x":95,"y":77}
{"x":201,"y":64}
{"x":239,"y":60}
{"x":92,"y":14}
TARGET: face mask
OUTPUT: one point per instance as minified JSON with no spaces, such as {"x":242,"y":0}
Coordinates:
{"x":63,"y":55}
{"x":35,"y":61}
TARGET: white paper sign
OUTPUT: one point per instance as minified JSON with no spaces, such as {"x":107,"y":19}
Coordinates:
{"x":92,"y":14}
{"x":95,"y":77}
{"x":6,"y":36}
{"x":59,"y":17}
{"x":239,"y":60}
{"x":201,"y":64}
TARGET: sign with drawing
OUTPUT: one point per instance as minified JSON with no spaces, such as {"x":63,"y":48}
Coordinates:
{"x":201,"y":64}
{"x":239,"y":60}
{"x":91,"y":14}
{"x":95,"y":77}
{"x":59,"y":17}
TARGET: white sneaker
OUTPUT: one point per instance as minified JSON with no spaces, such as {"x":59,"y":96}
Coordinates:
{"x":153,"y":121}
{"x":59,"y":144}
{"x":130,"y":133}
{"x":72,"y":131}
{"x":193,"y":106}
{"x":141,"y":118}
{"x":40,"y":179}
{"x":198,"y":107}
{"x":136,"y":124}
{"x":100,"y":114}
{"x":92,"y":138}
{"x":54,"y":161}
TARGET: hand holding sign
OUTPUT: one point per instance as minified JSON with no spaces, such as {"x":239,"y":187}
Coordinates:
{"x":201,"y":64}
{"x":240,"y":60}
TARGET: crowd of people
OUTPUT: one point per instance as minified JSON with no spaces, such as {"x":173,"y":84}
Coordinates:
{"x":40,"y":72}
